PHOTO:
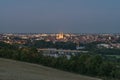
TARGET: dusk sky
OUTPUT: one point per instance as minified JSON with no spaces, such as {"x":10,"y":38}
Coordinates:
{"x":49,"y":16}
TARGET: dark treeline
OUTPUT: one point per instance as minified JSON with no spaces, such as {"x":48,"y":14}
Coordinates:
{"x":87,"y":64}
{"x":108,"y":51}
{"x":50,"y":44}
{"x":92,"y":47}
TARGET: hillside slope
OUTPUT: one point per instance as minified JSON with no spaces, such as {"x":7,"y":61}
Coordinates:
{"x":15,"y":70}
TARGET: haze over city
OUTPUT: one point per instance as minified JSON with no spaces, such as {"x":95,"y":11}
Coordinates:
{"x":75,"y":16}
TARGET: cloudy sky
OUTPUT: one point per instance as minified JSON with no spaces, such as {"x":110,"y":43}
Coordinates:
{"x":77,"y":16}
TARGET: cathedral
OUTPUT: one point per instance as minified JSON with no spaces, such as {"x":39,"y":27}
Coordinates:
{"x":60,"y":36}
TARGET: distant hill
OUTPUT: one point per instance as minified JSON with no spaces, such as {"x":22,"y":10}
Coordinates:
{"x":15,"y":70}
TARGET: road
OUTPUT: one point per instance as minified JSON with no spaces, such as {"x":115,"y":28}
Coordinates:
{"x":59,"y":50}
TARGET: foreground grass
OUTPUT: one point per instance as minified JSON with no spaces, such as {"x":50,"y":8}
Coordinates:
{"x":15,"y":70}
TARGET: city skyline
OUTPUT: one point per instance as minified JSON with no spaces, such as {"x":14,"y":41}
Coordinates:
{"x":68,"y":16}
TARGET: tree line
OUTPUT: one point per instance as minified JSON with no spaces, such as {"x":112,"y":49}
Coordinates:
{"x":50,"y":44}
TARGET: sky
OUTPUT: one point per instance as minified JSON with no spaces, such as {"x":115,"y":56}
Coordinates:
{"x":53,"y":16}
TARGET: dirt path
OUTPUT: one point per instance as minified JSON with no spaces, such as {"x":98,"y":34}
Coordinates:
{"x":15,"y":70}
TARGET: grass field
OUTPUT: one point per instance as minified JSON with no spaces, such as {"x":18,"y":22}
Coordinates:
{"x":15,"y":70}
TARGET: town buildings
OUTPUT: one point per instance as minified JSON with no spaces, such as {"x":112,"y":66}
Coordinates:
{"x":112,"y":40}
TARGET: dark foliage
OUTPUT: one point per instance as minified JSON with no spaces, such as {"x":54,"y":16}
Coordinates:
{"x":87,"y":64}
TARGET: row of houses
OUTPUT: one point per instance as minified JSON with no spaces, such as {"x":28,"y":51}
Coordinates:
{"x":58,"y":52}
{"x":112,"y":45}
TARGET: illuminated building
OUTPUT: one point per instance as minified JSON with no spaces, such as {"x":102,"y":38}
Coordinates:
{"x":60,"y":36}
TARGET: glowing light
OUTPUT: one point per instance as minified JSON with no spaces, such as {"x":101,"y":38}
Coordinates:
{"x":60,"y":36}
